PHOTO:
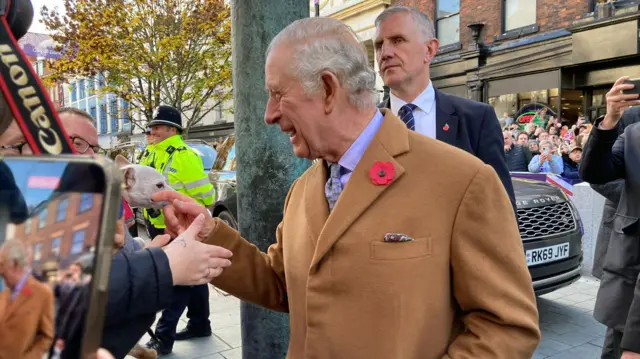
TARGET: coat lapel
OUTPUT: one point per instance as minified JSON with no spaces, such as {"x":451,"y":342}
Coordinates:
{"x":446,"y":120}
{"x":21,"y":298}
{"x":360,"y":192}
{"x":317,"y":208}
{"x":5,"y":297}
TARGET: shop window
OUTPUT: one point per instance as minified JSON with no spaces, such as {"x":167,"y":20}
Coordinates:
{"x":572,"y":104}
{"x":524,"y":107}
{"x":598,"y":105}
{"x":519,"y":13}
{"x":448,"y":21}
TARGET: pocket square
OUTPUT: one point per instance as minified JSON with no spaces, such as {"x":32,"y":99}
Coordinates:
{"x":397,"y":237}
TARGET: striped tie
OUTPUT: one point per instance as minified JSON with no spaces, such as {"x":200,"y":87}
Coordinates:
{"x":406,"y":115}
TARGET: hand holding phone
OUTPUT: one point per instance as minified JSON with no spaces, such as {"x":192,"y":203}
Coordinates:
{"x":624,"y":93}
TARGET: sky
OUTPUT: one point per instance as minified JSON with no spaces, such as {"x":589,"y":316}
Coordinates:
{"x":36,"y":26}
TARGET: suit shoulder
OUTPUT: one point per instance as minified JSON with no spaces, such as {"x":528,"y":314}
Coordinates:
{"x":439,"y":152}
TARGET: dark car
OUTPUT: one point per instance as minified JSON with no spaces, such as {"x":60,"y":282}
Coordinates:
{"x":223,"y":178}
{"x":551,"y":232}
{"x":549,"y":224}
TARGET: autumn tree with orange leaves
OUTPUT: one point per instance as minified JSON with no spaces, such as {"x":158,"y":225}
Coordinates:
{"x":150,"y":52}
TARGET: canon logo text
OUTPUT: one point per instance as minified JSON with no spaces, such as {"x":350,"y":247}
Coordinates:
{"x":30,"y":101}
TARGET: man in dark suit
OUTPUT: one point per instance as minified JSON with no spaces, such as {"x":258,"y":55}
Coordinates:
{"x":405,"y":44}
{"x":609,"y":157}
{"x":611,"y":192}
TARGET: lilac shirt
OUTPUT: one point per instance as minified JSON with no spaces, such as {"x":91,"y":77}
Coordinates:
{"x":18,"y":288}
{"x":350,"y":159}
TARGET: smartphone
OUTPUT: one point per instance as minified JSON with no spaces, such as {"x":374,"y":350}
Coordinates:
{"x":57,"y":223}
{"x":635,"y":90}
{"x":545,"y":151}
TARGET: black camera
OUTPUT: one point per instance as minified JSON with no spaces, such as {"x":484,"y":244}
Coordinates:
{"x":19,"y":16}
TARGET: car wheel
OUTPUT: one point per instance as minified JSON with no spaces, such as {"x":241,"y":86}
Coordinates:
{"x":227,"y":218}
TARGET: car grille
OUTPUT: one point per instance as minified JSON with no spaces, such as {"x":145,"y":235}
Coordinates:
{"x":545,"y":221}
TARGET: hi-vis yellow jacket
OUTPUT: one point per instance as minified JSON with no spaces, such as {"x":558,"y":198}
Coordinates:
{"x":183,"y":169}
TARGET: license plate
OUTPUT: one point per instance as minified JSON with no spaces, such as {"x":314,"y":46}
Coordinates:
{"x":547,"y":254}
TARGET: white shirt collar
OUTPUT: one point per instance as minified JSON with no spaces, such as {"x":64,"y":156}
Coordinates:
{"x":424,"y":102}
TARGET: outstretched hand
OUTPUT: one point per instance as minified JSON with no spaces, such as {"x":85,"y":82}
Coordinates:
{"x":181,"y":212}
{"x":193,"y":262}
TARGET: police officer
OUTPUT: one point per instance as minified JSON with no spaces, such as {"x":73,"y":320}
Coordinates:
{"x":184,"y":171}
{"x":150,"y":146}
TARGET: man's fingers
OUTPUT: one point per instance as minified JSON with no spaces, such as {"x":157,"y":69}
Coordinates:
{"x":219,"y":263}
{"x":218,"y":252}
{"x":622,"y":97}
{"x":194,"y":228}
{"x":190,"y":208}
{"x":213,"y":273}
{"x":621,"y":80}
{"x":170,"y":196}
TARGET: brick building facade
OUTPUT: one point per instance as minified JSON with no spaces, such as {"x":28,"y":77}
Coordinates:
{"x":564,"y":54}
{"x":62,"y":231}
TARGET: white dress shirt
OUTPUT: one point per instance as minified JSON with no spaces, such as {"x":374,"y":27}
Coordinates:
{"x":425,"y":112}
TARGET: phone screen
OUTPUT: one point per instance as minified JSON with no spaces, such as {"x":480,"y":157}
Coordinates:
{"x":50,"y":217}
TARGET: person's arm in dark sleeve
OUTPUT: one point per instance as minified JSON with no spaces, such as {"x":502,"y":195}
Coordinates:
{"x":611,"y":190}
{"x":570,"y":172}
{"x":491,"y":150}
{"x":139,"y":283}
{"x":631,"y":332}
{"x":603,"y":159}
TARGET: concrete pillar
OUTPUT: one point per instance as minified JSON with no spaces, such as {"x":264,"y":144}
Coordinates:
{"x":266,"y":164}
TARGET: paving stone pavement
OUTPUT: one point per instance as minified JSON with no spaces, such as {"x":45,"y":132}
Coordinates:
{"x":566,"y":320}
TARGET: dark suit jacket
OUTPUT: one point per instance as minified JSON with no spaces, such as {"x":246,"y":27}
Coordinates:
{"x":611,"y":191}
{"x":471,"y":126}
{"x":609,"y":157}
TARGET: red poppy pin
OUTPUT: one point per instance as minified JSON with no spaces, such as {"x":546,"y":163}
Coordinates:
{"x":446,"y":127}
{"x":26,"y":291}
{"x":382,"y":173}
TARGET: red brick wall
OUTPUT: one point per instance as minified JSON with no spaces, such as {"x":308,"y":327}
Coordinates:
{"x":426,"y":6}
{"x":488,"y":12}
{"x":550,"y":15}
{"x":556,"y":14}
{"x":52,"y":228}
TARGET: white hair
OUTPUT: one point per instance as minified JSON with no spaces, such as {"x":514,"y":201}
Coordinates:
{"x":322,"y":44}
{"x":547,"y":142}
{"x":422,"y":21}
{"x":14,"y":250}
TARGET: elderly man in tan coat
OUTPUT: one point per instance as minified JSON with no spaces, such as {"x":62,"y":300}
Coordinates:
{"x":394,"y":245}
{"x":26,"y":307}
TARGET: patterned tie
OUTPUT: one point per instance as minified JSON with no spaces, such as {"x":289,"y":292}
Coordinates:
{"x":406,"y":115}
{"x":333,"y":188}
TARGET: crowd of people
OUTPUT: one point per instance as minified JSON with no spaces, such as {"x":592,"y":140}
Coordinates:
{"x":555,"y":148}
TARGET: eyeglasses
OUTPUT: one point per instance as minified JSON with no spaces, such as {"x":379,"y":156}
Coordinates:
{"x":82,"y":146}
{"x":20,"y":148}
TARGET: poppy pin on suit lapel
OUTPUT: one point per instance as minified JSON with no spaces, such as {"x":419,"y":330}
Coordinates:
{"x":445,"y":127}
